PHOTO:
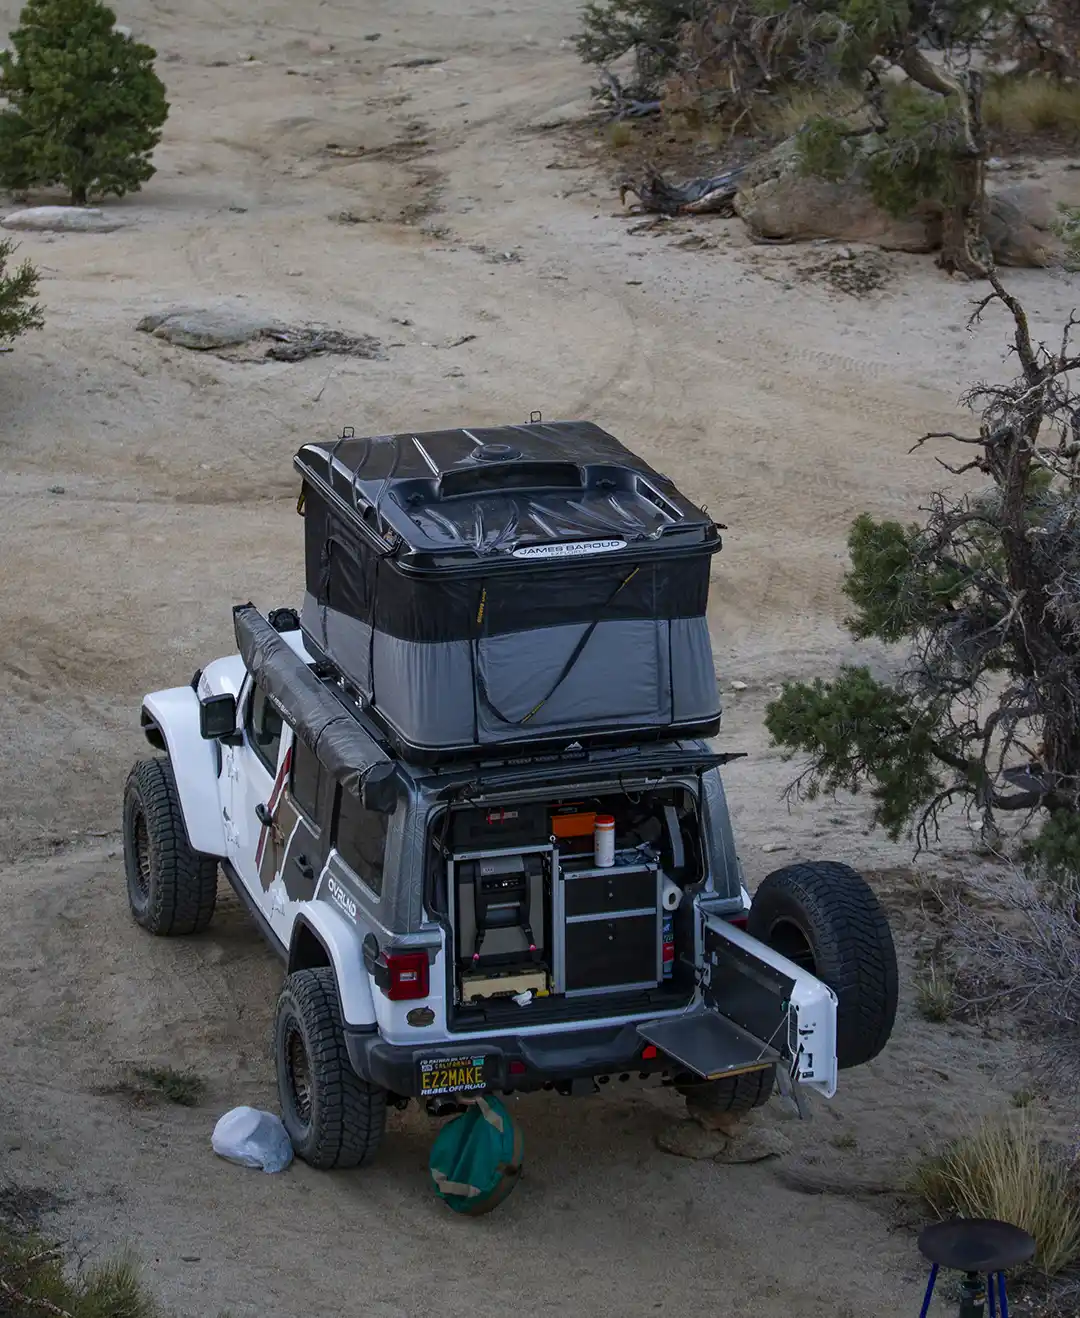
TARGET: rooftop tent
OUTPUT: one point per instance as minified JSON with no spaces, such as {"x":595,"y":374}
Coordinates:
{"x":508,"y":587}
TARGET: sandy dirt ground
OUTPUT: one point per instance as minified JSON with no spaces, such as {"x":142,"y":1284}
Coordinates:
{"x":145,"y":489}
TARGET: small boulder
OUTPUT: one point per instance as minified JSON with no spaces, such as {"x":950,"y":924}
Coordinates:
{"x":573,"y":112}
{"x":62,"y":219}
{"x":741,"y":1143}
{"x":204,"y":329}
{"x":686,"y":1139}
{"x":776,"y":201}
{"x":794,"y":206}
{"x":1018,"y":225}
{"x":755,"y":1146}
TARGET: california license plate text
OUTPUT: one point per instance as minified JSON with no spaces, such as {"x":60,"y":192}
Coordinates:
{"x":452,"y":1077}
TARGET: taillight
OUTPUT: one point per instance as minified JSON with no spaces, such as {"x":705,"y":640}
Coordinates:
{"x":406,"y":976}
{"x":739,"y":921}
{"x":648,"y":1052}
{"x":517,"y":1068}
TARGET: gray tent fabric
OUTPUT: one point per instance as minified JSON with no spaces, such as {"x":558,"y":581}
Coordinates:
{"x":650,"y":673}
{"x":315,"y":714}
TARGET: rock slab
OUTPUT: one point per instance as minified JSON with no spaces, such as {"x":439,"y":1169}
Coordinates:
{"x":206,"y":328}
{"x":63,"y":219}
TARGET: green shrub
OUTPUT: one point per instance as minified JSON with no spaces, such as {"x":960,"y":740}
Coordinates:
{"x":611,"y":28}
{"x":18,"y":287}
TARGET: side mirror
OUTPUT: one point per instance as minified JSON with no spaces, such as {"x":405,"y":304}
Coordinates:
{"x":217,"y":717}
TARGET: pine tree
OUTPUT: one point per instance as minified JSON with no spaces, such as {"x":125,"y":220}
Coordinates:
{"x":85,"y":105}
{"x":18,"y":311}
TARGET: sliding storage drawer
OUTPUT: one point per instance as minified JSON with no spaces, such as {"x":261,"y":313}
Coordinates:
{"x":610,"y":890}
{"x":604,"y":955}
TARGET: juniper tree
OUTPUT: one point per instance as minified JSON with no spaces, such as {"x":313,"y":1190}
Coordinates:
{"x":920,"y":141}
{"x":18,"y":287}
{"x":85,"y":107}
{"x":985,"y":595}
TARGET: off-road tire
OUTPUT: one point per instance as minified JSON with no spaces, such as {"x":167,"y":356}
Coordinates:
{"x":334,"y":1118}
{"x":172,"y":889}
{"x":736,"y":1093}
{"x":825,"y":917}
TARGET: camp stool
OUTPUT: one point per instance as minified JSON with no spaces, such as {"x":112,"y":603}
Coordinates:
{"x":979,"y":1248}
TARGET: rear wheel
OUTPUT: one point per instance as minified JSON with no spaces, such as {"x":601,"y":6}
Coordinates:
{"x":826,"y":918}
{"x":734,"y":1094}
{"x":334,"y":1118}
{"x":172,"y":889}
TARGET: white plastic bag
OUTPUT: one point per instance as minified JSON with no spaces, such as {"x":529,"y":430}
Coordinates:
{"x":253,"y":1139}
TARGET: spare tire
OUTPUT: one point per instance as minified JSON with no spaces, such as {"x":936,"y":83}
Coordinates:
{"x":825,"y":917}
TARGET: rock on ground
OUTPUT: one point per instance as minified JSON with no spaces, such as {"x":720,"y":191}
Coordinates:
{"x":1019,"y":226}
{"x":775,"y":201}
{"x":572,"y":112}
{"x":204,"y":329}
{"x":63,"y":219}
{"x":739,"y":1142}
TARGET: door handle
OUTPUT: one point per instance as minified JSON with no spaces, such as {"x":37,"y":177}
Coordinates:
{"x":263,"y":815}
{"x":304,"y":867}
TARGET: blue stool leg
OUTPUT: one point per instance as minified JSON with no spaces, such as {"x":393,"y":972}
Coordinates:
{"x":929,"y":1291}
{"x":1004,"y":1298}
{"x":991,"y":1282}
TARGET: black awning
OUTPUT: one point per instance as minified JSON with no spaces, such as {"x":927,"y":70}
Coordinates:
{"x":314,"y":713}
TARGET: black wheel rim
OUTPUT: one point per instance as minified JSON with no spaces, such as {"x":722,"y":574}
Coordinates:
{"x":140,"y":846}
{"x":789,"y":940}
{"x":298,"y":1072}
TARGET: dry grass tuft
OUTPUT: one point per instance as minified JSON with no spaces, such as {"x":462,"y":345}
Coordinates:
{"x":935,"y":993}
{"x":34,"y":1280}
{"x":1031,"y":105}
{"x":1007,"y":1169}
{"x":620,"y":135}
{"x":786,"y":114}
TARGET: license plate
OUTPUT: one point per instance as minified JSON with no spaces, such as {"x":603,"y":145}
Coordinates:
{"x":452,"y":1075}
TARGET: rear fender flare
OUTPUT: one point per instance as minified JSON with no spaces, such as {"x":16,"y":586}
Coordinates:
{"x":170,"y":722}
{"x":341,"y":942}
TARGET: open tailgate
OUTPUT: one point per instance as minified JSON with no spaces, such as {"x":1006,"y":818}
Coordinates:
{"x":774,"y":1000}
{"x":759,"y":1009}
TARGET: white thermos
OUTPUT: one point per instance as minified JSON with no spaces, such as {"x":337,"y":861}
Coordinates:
{"x":604,"y":841}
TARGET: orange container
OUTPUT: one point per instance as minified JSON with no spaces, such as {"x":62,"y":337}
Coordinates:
{"x":575,"y":825}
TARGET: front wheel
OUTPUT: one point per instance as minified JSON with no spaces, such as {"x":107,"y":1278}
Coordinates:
{"x":826,"y":918}
{"x":172,"y":889}
{"x":334,"y":1118}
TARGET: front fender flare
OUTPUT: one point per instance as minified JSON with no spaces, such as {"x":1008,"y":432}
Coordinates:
{"x":342,"y":944}
{"x":174,"y":713}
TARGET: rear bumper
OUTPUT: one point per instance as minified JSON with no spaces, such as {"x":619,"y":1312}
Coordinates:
{"x":519,"y":1063}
